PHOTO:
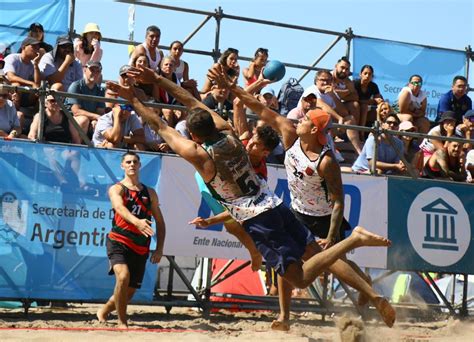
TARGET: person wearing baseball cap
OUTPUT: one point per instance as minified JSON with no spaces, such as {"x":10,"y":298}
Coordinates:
{"x":446,"y":128}
{"x":22,"y":69}
{"x":307,"y":102}
{"x":87,"y":112}
{"x":87,"y":47}
{"x":466,"y":128}
{"x":314,"y":181}
{"x":36,"y":31}
{"x":59,"y":66}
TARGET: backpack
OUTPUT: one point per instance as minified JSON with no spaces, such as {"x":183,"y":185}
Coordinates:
{"x":289,"y":95}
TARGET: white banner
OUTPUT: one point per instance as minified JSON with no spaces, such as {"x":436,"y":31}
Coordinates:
{"x":366,"y":205}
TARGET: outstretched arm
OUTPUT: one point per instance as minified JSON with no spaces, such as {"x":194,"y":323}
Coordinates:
{"x":148,"y":76}
{"x":278,"y":122}
{"x":186,"y":148}
{"x":204,"y":223}
{"x":240,"y":119}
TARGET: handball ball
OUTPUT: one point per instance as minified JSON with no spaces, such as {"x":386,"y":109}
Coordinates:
{"x":274,"y":71}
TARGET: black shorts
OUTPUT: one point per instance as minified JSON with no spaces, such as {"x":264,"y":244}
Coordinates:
{"x":319,"y":225}
{"x":280,"y":238}
{"x":118,"y":253}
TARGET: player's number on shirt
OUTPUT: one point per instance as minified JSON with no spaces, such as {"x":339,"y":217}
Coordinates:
{"x":247,"y":185}
{"x":136,"y":209}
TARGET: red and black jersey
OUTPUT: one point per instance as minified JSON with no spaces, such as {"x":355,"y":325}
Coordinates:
{"x":139,"y":204}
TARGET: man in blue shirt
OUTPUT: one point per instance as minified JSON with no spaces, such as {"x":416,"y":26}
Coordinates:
{"x":388,"y":159}
{"x":456,"y":99}
{"x":86,"y":112}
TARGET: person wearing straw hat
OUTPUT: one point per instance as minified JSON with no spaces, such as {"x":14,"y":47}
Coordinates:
{"x":87,"y":47}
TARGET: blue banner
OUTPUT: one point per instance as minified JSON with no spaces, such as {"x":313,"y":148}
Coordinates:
{"x":431,"y":225}
{"x":17,"y":16}
{"x":395,"y":62}
{"x":54,"y":218}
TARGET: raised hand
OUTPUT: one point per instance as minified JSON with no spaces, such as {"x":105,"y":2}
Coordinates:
{"x":262,"y":78}
{"x":142,"y":74}
{"x":37,"y":59}
{"x":217,"y":75}
{"x":122,"y":91}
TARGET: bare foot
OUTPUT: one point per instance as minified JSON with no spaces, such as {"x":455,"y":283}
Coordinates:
{"x":256,"y":261}
{"x":366,"y":238}
{"x":385,"y":310}
{"x":101,"y":316}
{"x":122,"y":326}
{"x":280,"y":325}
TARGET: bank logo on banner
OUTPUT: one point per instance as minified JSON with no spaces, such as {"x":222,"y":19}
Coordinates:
{"x":438,"y":226}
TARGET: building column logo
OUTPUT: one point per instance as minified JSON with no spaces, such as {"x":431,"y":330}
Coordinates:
{"x":438,"y":226}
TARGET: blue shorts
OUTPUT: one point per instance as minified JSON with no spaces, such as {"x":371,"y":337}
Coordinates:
{"x":279,"y":237}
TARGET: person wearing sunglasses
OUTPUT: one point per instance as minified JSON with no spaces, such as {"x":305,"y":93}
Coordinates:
{"x":388,"y":158}
{"x":411,"y":104}
{"x":456,"y":99}
{"x":56,"y":126}
{"x":87,"y":112}
{"x":119,"y":128}
{"x":59,"y":66}
{"x":256,"y":66}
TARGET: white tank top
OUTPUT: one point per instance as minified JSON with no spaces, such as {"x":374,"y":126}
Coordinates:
{"x":180,"y":71}
{"x":154,"y":64}
{"x":308,"y":191}
{"x":415,"y":101}
{"x":236,"y":185}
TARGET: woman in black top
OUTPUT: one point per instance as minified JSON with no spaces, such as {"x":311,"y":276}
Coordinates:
{"x":56,"y":126}
{"x":369,"y":94}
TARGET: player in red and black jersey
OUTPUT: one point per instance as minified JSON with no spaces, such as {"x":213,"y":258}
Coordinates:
{"x":128,"y":244}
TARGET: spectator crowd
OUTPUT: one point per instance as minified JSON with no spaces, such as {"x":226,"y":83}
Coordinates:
{"x":74,"y":66}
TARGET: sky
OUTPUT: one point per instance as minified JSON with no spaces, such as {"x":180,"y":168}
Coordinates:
{"x":448,"y":24}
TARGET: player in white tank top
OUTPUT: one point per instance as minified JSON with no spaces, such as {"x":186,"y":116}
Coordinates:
{"x":308,"y":190}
